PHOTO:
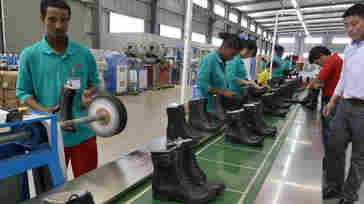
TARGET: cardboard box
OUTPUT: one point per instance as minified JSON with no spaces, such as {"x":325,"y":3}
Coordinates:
{"x":14,"y":103}
{"x":7,"y":94}
{"x":8,"y":79}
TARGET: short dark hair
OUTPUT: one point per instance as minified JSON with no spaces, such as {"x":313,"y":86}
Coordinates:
{"x":356,"y":10}
{"x":44,"y":4}
{"x":275,"y":65}
{"x":230,"y":40}
{"x":279,"y":50}
{"x":316,"y":52}
{"x":250,"y":45}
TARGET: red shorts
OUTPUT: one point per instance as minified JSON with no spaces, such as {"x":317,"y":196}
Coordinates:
{"x":83,"y":157}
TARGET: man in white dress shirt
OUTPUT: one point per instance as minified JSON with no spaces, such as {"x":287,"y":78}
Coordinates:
{"x":348,"y":123}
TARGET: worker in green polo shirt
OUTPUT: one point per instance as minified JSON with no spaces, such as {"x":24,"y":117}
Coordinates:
{"x":212,"y":74}
{"x":279,"y":71}
{"x":237,"y":73}
{"x":44,"y":69}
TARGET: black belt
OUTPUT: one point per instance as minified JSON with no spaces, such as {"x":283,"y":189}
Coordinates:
{"x":355,"y":101}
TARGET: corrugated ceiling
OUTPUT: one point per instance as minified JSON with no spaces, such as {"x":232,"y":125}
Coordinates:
{"x":317,"y":14}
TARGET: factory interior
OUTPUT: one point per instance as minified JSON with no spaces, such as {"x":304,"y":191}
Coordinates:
{"x":123,"y":101}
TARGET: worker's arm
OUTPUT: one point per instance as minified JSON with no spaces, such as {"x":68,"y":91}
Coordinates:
{"x":204,"y":83}
{"x":33,"y":104}
{"x":237,"y":74}
{"x":24,"y":85}
{"x":315,"y":84}
{"x":93,"y":81}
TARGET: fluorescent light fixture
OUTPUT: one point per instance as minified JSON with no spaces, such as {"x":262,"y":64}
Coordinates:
{"x":299,"y":15}
{"x":294,"y":3}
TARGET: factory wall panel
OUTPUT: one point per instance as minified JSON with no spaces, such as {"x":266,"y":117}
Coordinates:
{"x":176,"y":6}
{"x":25,"y":30}
{"x":168,"y":18}
{"x":135,"y":8}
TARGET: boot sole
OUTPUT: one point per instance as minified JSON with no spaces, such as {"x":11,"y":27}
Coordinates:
{"x":331,"y":201}
{"x":163,"y":196}
{"x":236,"y":141}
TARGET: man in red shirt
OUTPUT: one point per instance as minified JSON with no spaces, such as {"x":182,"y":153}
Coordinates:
{"x":327,"y":79}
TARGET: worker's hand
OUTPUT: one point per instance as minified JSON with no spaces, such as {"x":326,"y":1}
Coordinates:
{"x":327,"y":110}
{"x":51,"y":110}
{"x":229,"y":94}
{"x":87,"y":97}
{"x":317,"y":85}
{"x":257,"y":86}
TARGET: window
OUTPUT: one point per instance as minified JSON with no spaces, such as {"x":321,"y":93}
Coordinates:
{"x":313,"y":40}
{"x":202,"y":3}
{"x":219,"y":10}
{"x":286,"y":40}
{"x":341,"y":40}
{"x":233,"y":17}
{"x":244,"y":22}
{"x":171,"y":32}
{"x":216,"y":41}
{"x":196,"y":37}
{"x":265,"y":34}
{"x":252,"y":27}
{"x":305,"y":55}
{"x":119,"y":22}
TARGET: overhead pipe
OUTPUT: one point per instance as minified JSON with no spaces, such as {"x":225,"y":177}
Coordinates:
{"x":274,"y":44}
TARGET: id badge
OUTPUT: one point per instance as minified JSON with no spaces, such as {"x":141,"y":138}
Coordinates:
{"x":74,"y":83}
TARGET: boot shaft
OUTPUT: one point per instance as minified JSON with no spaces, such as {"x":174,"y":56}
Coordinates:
{"x":176,"y":117}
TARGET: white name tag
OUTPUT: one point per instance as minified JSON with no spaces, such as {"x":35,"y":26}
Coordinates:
{"x":74,"y":83}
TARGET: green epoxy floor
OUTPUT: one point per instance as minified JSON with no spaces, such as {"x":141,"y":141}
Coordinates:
{"x":242,"y":168}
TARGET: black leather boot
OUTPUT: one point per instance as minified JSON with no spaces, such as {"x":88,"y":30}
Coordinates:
{"x":198,"y":118}
{"x":238,"y":131}
{"x":271,"y":105}
{"x":212,"y":119}
{"x":179,"y":127}
{"x":197,"y":174}
{"x":256,"y":121}
{"x":170,"y":182}
{"x":220,"y":111}
{"x":66,"y":106}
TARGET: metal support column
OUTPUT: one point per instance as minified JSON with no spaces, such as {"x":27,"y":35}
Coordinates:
{"x":187,"y":49}
{"x":154,"y":25}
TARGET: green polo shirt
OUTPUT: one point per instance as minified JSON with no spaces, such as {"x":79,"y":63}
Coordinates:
{"x":43,"y":72}
{"x":211,"y":75}
{"x":236,"y":71}
{"x":279,"y":70}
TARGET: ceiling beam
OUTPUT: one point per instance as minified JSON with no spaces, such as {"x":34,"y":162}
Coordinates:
{"x":339,"y":13}
{"x":310,"y":26}
{"x":299,"y":27}
{"x":304,"y":7}
{"x":252,"y":2}
{"x":270,"y":22}
{"x":319,"y":28}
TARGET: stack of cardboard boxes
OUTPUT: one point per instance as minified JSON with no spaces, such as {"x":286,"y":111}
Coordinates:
{"x":8,"y":89}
